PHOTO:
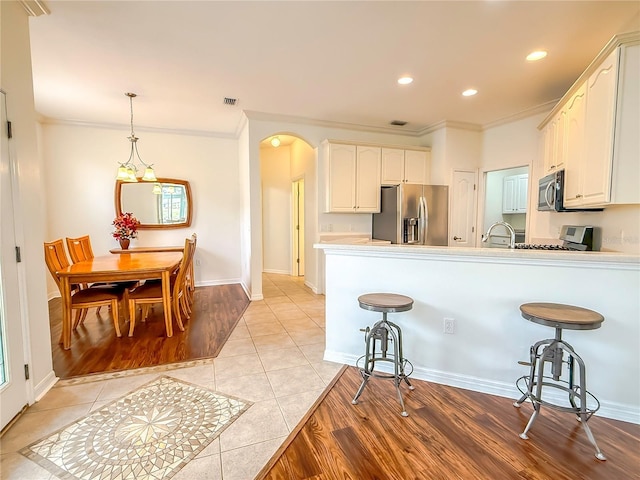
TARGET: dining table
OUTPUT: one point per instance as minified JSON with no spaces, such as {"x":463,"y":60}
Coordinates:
{"x":119,"y":268}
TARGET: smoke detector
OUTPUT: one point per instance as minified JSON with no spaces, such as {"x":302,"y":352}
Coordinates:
{"x":230,"y":101}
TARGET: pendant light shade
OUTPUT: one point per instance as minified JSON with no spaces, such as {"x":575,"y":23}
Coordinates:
{"x":127,"y":172}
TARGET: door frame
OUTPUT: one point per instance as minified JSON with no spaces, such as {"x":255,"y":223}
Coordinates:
{"x":297,"y":227}
{"x":17,"y":392}
{"x":482,"y":193}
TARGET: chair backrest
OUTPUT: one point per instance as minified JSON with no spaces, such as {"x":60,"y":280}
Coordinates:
{"x":79,"y":248}
{"x":183,"y":270}
{"x":56,"y":258}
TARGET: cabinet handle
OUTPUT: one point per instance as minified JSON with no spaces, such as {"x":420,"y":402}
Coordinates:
{"x":457,"y":238}
{"x":551,"y":166}
{"x":579,"y":195}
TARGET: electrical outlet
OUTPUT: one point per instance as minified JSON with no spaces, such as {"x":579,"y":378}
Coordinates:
{"x":449,"y":326}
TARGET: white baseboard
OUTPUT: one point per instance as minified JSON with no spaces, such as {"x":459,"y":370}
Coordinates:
{"x":280,"y":272}
{"x":612,"y":410}
{"x":44,"y":385}
{"x":213,"y":283}
{"x":313,"y":288}
{"x":252,"y":297}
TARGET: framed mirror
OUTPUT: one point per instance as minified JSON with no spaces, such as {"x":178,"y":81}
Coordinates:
{"x":166,"y":203}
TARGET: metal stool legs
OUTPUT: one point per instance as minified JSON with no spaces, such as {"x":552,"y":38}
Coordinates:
{"x":383,"y":333}
{"x":552,"y":352}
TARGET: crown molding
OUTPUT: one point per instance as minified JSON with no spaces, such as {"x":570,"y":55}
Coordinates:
{"x":114,"y":126}
{"x":35,"y":8}
{"x":543,"y":108}
{"x":627,"y":38}
{"x":254,"y":115}
{"x":473,"y":127}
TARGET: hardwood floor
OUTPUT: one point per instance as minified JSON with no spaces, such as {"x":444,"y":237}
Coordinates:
{"x":450,"y":434}
{"x":96,"y":349}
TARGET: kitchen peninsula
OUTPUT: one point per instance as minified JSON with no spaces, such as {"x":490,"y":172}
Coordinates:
{"x":481,"y":289}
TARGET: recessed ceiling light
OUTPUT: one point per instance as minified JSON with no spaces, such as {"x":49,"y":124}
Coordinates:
{"x":405,"y":80}
{"x":537,"y":55}
{"x":469,"y":92}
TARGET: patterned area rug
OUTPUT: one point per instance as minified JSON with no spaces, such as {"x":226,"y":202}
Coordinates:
{"x":150,"y":433}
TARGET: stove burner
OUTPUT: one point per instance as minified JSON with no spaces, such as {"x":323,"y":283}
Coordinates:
{"x":532,"y":246}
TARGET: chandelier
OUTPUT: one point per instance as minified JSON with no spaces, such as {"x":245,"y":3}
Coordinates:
{"x":127,"y":172}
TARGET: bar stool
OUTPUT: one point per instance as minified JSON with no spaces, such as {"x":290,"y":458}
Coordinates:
{"x":380,"y":335}
{"x":552,"y":351}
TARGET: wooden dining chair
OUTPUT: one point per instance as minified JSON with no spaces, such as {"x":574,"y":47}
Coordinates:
{"x":79,"y":248}
{"x":191,"y":282}
{"x":151,"y":292}
{"x":81,"y":299}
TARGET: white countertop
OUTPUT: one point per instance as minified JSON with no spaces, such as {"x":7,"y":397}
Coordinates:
{"x":479,"y":253}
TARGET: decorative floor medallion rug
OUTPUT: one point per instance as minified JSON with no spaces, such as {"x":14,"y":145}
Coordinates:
{"x":151,"y":433}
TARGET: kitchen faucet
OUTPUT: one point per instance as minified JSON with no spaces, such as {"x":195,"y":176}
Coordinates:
{"x":512,"y":233}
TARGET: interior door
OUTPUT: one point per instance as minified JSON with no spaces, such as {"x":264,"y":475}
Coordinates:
{"x":13,"y":391}
{"x":463,"y":209}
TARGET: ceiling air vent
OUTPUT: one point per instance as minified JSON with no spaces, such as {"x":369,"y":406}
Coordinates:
{"x":230,"y":101}
{"x":398,"y":123}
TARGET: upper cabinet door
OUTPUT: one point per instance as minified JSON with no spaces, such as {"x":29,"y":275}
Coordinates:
{"x":575,"y":148}
{"x":341,"y":178}
{"x":405,"y":166}
{"x":599,"y":127}
{"x":368,"y":179}
{"x":416,"y":167}
{"x":392,"y":166}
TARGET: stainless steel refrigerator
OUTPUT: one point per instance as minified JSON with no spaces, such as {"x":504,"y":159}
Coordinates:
{"x":413,"y":214}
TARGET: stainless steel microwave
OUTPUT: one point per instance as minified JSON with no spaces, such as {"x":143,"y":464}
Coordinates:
{"x":551,"y":194}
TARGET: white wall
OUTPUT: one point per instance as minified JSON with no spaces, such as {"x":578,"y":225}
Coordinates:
{"x":276,"y":209}
{"x":304,"y":165}
{"x":16,"y":81}
{"x":247,"y":263}
{"x":80,"y":167}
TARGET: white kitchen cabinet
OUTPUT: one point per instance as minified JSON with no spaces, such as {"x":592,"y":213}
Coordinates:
{"x":598,"y":143}
{"x":352,"y":178}
{"x":405,"y":166}
{"x":575,"y":147}
{"x":595,"y":186}
{"x":514,"y":193}
{"x":554,"y":143}
{"x":367,"y":179}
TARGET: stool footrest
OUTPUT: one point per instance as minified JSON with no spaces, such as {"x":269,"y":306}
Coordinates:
{"x":573,"y":394}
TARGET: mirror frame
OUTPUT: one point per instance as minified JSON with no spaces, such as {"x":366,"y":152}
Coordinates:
{"x":154,"y":226}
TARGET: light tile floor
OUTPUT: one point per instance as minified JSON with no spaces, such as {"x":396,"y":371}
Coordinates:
{"x":272,"y":358}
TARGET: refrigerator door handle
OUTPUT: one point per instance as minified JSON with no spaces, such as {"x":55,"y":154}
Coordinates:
{"x":423,"y":220}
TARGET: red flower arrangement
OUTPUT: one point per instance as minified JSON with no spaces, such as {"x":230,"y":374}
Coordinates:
{"x":126,"y":226}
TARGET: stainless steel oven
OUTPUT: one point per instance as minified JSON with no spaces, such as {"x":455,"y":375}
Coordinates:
{"x":581,"y":238}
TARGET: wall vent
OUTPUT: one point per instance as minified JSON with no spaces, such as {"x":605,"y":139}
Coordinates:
{"x":230,"y":101}
{"x":398,"y":123}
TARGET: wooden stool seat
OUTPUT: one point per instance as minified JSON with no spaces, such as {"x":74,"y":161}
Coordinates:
{"x":558,"y":315}
{"x":385,"y":302}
